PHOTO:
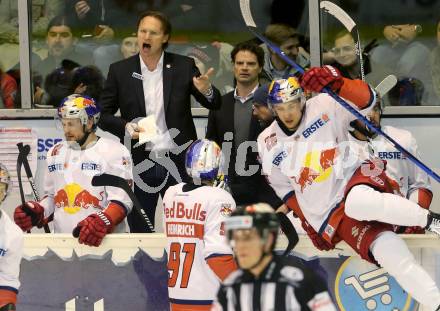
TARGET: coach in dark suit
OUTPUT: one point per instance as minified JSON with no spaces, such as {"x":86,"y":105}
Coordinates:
{"x":239,"y":121}
{"x":156,"y":84}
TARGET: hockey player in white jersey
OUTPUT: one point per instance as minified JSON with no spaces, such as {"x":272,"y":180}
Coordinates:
{"x":11,"y":249}
{"x":303,"y":156}
{"x":405,"y":177}
{"x":198,"y":254}
{"x":70,"y":167}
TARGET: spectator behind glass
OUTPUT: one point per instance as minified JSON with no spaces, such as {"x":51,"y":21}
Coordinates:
{"x":41,"y":12}
{"x":92,"y":18}
{"x":346,"y":59}
{"x":291,"y":43}
{"x":8,"y":90}
{"x":87,"y":80}
{"x":106,"y":55}
{"x":435,"y":64}
{"x":129,"y":46}
{"x":405,"y":57}
{"x":61,"y":44}
{"x":407,"y":92}
{"x":57,"y":85}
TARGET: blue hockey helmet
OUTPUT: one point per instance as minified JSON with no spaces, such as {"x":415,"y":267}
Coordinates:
{"x":202,"y":160}
{"x":81,"y":107}
{"x":285,"y":90}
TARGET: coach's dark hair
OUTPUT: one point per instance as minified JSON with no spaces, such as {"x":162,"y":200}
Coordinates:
{"x":251,"y":47}
{"x":166,"y":25}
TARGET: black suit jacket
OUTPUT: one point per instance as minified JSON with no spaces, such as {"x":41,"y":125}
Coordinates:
{"x":222,"y":121}
{"x":125,"y":92}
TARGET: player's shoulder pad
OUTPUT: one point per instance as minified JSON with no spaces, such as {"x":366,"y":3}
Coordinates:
{"x":404,"y":137}
{"x":321,"y":102}
{"x":221,"y":194}
{"x":233,"y":278}
{"x":113,"y":148}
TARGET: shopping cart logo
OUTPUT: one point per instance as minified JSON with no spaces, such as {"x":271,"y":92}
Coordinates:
{"x":362,"y":286}
{"x":371,"y":284}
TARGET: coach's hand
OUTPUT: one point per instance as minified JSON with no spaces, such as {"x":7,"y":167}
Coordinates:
{"x":28,"y":215}
{"x":319,"y":242}
{"x":202,"y":83}
{"x":317,"y":78}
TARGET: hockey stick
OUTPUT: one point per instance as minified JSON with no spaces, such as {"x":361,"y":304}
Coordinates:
{"x":104,"y":180}
{"x":350,"y":25}
{"x":289,"y":231}
{"x":20,"y":185}
{"x":23,"y":152}
{"x":246,"y":13}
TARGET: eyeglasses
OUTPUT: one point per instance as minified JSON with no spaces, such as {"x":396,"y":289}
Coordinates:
{"x":343,"y":49}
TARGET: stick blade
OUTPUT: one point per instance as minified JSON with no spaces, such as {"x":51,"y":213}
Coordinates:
{"x":108,"y":180}
{"x":245,"y":9}
{"x":338,"y":13}
{"x":386,"y":85}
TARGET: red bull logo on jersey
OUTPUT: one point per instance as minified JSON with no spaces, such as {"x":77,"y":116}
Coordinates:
{"x":270,"y":141}
{"x":72,"y":198}
{"x":225,"y":209}
{"x":179,"y":210}
{"x":316,"y":125}
{"x":317,"y":167}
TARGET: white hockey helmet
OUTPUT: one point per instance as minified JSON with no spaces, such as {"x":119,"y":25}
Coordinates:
{"x":5,"y":182}
{"x":202,"y":160}
{"x":285,"y":90}
{"x":81,"y":107}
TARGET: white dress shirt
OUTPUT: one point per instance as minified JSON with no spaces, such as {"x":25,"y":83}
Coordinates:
{"x":152,"y":84}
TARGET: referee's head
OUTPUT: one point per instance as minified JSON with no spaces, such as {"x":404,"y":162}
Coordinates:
{"x":252,"y":231}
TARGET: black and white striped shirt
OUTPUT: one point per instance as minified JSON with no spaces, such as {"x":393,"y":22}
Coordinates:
{"x":284,"y":285}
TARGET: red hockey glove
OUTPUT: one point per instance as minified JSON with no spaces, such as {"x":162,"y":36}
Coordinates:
{"x":316,"y":238}
{"x":29,"y":215}
{"x":316,"y":78}
{"x":92,"y":230}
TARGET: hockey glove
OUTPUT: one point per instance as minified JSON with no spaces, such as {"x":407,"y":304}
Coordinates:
{"x":319,"y":242}
{"x":92,"y":230}
{"x":29,"y":215}
{"x":317,"y":78}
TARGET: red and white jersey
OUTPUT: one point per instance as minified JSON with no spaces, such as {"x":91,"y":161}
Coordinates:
{"x":315,"y":161}
{"x":11,"y":251}
{"x":193,"y":219}
{"x":68,"y":189}
{"x":401,"y":171}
